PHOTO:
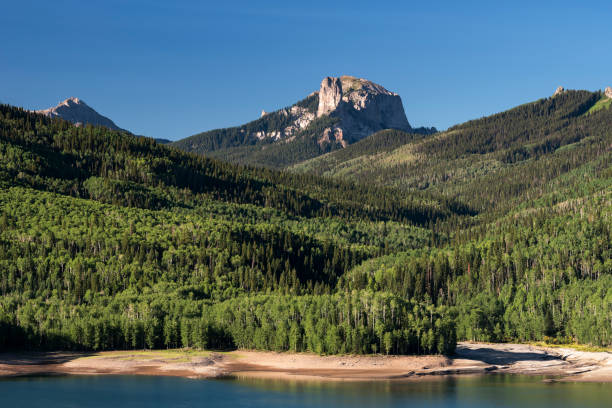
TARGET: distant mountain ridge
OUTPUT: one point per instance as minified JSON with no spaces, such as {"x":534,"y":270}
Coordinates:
{"x":75,"y":110}
{"x":344,"y":110}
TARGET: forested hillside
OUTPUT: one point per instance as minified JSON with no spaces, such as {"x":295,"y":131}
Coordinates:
{"x":220,"y":139}
{"x":536,"y":260}
{"x":304,"y":145}
{"x":270,"y":147}
{"x":493,"y":162}
{"x":113,"y":241}
{"x":498,"y":229}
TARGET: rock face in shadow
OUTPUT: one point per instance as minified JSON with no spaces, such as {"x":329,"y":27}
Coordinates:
{"x":362,"y":106}
{"x":78,"y":112}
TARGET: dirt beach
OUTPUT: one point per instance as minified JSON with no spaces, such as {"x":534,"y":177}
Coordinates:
{"x":471,"y":358}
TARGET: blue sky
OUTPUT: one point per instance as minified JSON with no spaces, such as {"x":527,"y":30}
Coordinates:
{"x":172,"y":69}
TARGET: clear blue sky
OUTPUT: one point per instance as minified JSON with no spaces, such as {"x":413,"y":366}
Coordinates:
{"x":170,"y":69}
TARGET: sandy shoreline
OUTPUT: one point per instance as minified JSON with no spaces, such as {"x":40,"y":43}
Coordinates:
{"x":471,"y":358}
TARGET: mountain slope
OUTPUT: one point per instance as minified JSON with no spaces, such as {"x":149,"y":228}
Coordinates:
{"x":343,"y":111}
{"x":378,"y":145}
{"x":489,"y":162}
{"x":105,"y":237}
{"x":108,"y":241}
{"x":59,"y":157}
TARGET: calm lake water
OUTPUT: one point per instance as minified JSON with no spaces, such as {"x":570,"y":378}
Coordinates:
{"x":136,"y":391}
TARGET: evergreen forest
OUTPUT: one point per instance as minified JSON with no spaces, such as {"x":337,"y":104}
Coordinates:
{"x":498,"y":229}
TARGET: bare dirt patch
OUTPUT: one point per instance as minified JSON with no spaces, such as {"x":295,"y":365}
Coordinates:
{"x":470,"y":358}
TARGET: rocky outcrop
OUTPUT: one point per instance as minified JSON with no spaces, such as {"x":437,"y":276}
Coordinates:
{"x":558,"y":91}
{"x":362,"y":106}
{"x":75,"y":110}
{"x":608,"y":92}
{"x":335,"y":135}
{"x":330,"y":95}
{"x":342,"y":111}
{"x":298,"y":117}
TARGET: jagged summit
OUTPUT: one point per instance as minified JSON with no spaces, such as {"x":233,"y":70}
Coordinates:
{"x":362,"y":106}
{"x":75,"y":110}
{"x":608,"y":92}
{"x":72,"y":101}
{"x":342,"y":111}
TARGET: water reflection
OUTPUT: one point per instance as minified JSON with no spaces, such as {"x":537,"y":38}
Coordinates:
{"x":437,"y":392}
{"x":459,"y":391}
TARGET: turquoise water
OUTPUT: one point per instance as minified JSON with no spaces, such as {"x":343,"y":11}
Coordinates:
{"x":140,"y":391}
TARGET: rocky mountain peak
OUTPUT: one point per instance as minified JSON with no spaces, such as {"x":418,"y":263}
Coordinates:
{"x":608,"y":92}
{"x":73,"y":101}
{"x":342,"y":111}
{"x":362,"y":106}
{"x":75,"y":110}
{"x":559,"y":90}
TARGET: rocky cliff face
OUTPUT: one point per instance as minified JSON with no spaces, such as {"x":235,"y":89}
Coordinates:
{"x":342,"y":111}
{"x":362,"y":106}
{"x":78,"y":112}
{"x":330,"y":95}
{"x":608,"y":92}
